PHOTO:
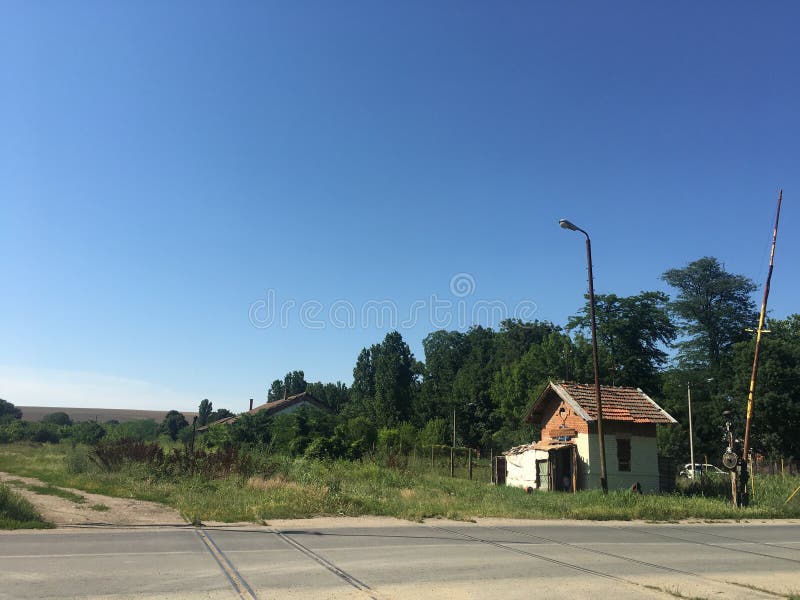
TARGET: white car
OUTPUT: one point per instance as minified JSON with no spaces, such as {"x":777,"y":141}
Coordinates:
{"x":700,"y":469}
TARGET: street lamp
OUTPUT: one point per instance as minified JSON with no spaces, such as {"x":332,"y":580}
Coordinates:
{"x":691,"y":436}
{"x":603,"y":474}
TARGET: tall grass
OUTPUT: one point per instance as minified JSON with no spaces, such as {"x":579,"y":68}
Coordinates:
{"x":17,"y":513}
{"x":282,"y":487}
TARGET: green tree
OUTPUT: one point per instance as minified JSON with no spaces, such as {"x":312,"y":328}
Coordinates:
{"x":394,"y":378}
{"x":334,"y":395}
{"x":275,"y":391}
{"x":8,"y":411}
{"x":204,"y":412}
{"x":363,"y":389}
{"x":88,"y":432}
{"x":434,"y":433}
{"x":634,"y":331}
{"x":775,"y":428}
{"x":445,"y":353}
{"x":477,"y":417}
{"x":293,"y":383}
{"x":714,"y":308}
{"x":172,"y":424}
{"x":516,"y":337}
{"x":220,"y":413}
{"x":57,"y":418}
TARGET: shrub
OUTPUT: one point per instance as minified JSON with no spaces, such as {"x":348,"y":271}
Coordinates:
{"x":88,"y":432}
{"x":434,"y":433}
{"x":8,"y":411}
{"x":57,"y":418}
{"x":44,"y":434}
{"x":13,"y":431}
{"x":173,"y":422}
{"x":143,"y":430}
{"x":111,"y":454}
{"x":76,"y":461}
{"x":217,"y":436}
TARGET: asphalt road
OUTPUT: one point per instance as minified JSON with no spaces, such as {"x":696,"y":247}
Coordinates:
{"x":392,"y":559}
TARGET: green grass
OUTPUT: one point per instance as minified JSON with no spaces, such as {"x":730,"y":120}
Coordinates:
{"x":99,"y":507}
{"x":17,"y":513}
{"x":51,"y":490}
{"x":296,"y":488}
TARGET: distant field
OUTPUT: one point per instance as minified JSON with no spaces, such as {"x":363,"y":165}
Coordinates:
{"x":35,"y":413}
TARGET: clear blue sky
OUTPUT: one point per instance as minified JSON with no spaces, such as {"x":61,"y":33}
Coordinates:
{"x":163,"y":166}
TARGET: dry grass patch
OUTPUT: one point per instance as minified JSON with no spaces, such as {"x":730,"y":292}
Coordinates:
{"x":276,"y":483}
{"x":407,"y":493}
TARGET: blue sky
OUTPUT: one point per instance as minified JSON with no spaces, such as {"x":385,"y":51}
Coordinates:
{"x":170,"y":171}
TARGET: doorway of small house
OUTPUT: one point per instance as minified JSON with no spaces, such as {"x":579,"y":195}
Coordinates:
{"x":563,"y":465}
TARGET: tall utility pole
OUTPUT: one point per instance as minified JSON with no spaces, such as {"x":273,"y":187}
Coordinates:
{"x":603,"y":474}
{"x":691,"y":435}
{"x":453,"y":448}
{"x":742,"y":487}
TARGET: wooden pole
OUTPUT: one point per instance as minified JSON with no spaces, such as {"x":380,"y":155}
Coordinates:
{"x":754,"y":373}
{"x":469,"y":453}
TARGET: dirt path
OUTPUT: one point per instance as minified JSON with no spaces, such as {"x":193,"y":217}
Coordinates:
{"x":94,"y":509}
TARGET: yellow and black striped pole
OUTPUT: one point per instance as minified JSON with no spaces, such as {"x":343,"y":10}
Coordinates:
{"x":751,"y":393}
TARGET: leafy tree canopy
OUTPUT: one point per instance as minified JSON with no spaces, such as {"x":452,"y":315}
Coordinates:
{"x":634,"y":331}
{"x":204,"y":412}
{"x":57,"y":418}
{"x":714,"y":308}
{"x":9,"y":411}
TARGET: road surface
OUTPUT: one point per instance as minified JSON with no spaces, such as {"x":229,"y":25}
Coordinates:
{"x":384,"y":558}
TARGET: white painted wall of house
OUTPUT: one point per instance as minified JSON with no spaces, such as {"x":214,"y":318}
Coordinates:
{"x":644,"y":462}
{"x":521,"y":468}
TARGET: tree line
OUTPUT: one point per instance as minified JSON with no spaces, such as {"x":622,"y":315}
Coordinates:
{"x":697,"y":335}
{"x":487,"y":379}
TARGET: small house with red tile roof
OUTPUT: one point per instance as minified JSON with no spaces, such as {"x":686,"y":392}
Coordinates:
{"x":283,"y":406}
{"x":567,"y":457}
{"x":291,"y":404}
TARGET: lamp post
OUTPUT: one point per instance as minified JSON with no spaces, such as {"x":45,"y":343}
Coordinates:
{"x":603,"y":474}
{"x":691,"y":436}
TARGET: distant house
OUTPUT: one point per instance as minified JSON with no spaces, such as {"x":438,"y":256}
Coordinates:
{"x":567,"y":455}
{"x":283,"y":406}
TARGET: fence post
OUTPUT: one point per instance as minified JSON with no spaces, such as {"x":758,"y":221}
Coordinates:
{"x":452,"y":461}
{"x":469,"y":452}
{"x":491,"y":464}
{"x":432,"y":463}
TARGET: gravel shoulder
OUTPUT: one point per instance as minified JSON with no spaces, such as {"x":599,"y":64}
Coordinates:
{"x":95,"y":509}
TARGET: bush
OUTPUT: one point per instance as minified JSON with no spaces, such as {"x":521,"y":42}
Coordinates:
{"x":9,"y":412}
{"x":88,"y":432}
{"x":217,"y":436}
{"x":57,"y":418}
{"x":435,"y":433}
{"x":13,"y":431}
{"x":76,"y":461}
{"x":45,"y":434}
{"x":21,"y":431}
{"x":173,"y":422}
{"x":143,"y":430}
{"x":110,"y":455}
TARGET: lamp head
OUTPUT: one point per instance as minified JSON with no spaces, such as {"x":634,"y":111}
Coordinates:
{"x":567,"y":225}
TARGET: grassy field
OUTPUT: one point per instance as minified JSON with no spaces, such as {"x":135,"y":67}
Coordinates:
{"x":18,"y":513}
{"x":297,"y":488}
